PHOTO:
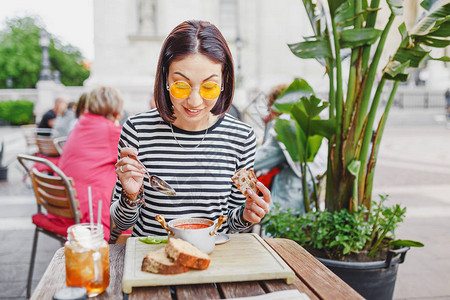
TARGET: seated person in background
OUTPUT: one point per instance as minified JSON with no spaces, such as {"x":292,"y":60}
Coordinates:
{"x":90,"y":152}
{"x":64,"y":118}
{"x":48,"y":119}
{"x":279,"y":172}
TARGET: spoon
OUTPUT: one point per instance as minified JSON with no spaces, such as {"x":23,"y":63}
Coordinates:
{"x":155,"y":182}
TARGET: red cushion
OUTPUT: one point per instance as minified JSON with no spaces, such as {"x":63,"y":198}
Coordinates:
{"x":44,"y":168}
{"x":266,"y":179}
{"x":43,"y":221}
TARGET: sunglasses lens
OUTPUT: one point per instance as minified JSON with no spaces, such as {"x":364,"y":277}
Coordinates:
{"x":210,"y":90}
{"x":180,"y":90}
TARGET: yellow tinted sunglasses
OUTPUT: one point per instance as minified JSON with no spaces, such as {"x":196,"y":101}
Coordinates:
{"x":181,"y":90}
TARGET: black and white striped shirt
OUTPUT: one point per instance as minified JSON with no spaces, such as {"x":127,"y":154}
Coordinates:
{"x":201,"y":176}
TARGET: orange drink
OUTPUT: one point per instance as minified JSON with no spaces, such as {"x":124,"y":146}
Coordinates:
{"x":87,"y":258}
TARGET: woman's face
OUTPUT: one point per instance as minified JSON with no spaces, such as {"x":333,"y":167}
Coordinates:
{"x":194,"y":112}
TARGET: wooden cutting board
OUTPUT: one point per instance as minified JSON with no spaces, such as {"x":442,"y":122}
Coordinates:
{"x":245,"y":257}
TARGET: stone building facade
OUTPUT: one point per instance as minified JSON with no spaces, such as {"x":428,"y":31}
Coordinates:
{"x":128,"y":35}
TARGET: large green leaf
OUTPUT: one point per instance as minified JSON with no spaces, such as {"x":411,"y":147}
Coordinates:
{"x":299,"y":114}
{"x":314,"y":14}
{"x":287,"y":134}
{"x":313,"y":106}
{"x":399,"y":77}
{"x":345,"y":14}
{"x":414,"y":56}
{"x":317,"y":48}
{"x":297,"y":89}
{"x":393,"y":68}
{"x":441,"y":29}
{"x":443,"y":58}
{"x":313,"y":126}
{"x":353,"y":169}
{"x":314,"y":143}
{"x":356,"y":37}
{"x":325,"y":128}
{"x":433,"y":42}
{"x":294,"y":139}
{"x":427,"y":4}
{"x":334,"y":5}
{"x":396,"y":6}
{"x":405,"y":243}
{"x":430,"y":22}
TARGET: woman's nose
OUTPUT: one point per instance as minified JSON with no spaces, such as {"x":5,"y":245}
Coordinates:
{"x":195,"y":99}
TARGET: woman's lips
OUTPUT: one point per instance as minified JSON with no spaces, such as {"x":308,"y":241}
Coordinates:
{"x":192,"y":112}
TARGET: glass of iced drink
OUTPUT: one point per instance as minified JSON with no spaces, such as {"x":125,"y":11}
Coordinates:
{"x":87,"y":258}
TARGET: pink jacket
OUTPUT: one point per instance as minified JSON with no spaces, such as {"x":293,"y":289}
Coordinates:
{"x":89,"y":156}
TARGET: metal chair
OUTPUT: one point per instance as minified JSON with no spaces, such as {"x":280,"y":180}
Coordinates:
{"x":59,"y":143}
{"x":47,"y":146}
{"x":57,"y":195}
{"x":29,"y":132}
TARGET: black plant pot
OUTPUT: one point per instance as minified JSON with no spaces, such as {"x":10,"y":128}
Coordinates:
{"x":373,"y":280}
{"x":3,"y":173}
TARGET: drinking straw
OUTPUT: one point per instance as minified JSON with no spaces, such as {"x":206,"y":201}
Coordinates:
{"x":91,"y":214}
{"x":99,"y":213}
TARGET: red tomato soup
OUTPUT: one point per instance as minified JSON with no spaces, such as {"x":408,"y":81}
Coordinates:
{"x":192,"y":226}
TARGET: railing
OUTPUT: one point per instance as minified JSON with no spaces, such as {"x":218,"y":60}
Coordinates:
{"x":19,"y":94}
{"x":417,"y":98}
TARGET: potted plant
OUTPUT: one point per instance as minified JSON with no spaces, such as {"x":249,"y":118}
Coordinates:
{"x":352,"y":226}
{"x":3,"y":168}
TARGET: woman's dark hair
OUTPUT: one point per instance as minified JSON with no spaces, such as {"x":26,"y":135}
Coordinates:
{"x":192,"y":37}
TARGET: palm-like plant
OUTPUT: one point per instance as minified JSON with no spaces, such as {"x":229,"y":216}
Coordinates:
{"x":347,"y":27}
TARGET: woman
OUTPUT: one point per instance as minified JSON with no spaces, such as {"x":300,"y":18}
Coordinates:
{"x":90,"y":152}
{"x":188,"y":140}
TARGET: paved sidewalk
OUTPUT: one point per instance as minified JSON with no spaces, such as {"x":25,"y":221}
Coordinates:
{"x":413,"y":168}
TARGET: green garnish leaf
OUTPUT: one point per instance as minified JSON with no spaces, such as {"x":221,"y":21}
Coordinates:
{"x":153,"y":240}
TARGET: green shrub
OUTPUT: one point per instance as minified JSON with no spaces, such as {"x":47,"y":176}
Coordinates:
{"x":340,"y":233}
{"x":17,"y":112}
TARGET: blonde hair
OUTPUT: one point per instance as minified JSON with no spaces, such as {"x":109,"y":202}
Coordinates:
{"x":105,"y":101}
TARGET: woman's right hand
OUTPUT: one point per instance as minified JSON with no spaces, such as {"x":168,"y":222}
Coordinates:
{"x":129,"y":171}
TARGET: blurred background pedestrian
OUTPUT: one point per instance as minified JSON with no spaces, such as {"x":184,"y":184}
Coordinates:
{"x":90,"y":152}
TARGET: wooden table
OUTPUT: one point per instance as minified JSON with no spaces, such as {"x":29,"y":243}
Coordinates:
{"x":312,"y":278}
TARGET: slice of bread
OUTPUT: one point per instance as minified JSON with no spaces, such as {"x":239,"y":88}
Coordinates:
{"x":186,"y":254}
{"x":158,"y":262}
{"x":245,"y":180}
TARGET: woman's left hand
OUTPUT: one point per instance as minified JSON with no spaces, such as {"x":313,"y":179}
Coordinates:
{"x":256,"y":207}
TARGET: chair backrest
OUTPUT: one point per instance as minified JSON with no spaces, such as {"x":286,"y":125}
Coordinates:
{"x":29,"y":131}
{"x":47,"y":146}
{"x":56,"y":193}
{"x":59,"y":143}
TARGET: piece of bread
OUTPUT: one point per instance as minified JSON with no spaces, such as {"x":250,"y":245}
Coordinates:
{"x":245,"y":180}
{"x":184,"y":253}
{"x":158,"y":262}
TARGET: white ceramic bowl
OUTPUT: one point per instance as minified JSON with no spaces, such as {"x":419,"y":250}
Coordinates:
{"x":202,"y":238}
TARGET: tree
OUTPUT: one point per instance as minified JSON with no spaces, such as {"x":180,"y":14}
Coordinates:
{"x":20,"y":56}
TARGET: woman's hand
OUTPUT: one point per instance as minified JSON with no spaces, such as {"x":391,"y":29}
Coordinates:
{"x":257,"y":207}
{"x":129,"y":171}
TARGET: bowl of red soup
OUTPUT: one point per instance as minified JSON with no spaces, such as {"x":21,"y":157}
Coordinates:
{"x":199,"y":232}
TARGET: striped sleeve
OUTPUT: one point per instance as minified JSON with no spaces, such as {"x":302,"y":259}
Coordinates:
{"x":237,"y":199}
